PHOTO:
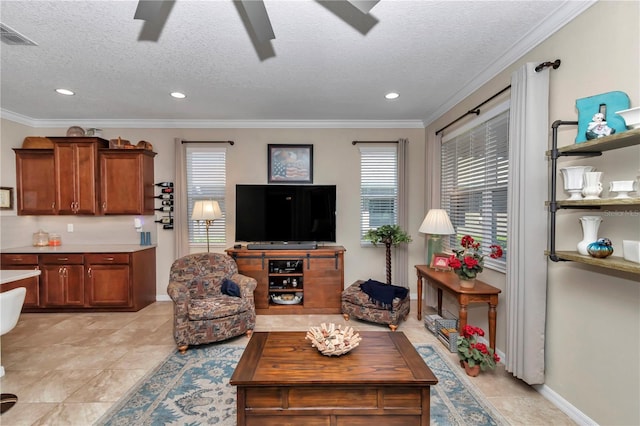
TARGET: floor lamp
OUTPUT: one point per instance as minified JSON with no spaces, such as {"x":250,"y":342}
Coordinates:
{"x":207,"y":210}
{"x":436,"y":223}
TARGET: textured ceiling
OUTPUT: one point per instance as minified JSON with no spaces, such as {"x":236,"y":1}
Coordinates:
{"x":431,"y":52}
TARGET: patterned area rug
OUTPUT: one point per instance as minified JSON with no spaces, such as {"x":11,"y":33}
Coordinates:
{"x":193,"y":389}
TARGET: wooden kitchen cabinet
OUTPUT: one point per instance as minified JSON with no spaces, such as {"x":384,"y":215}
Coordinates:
{"x":62,"y":280}
{"x":76,"y":172}
{"x":108,"y":280}
{"x":126,"y":181}
{"x":122,"y":281}
{"x":32,"y":284}
{"x":36,"y":188}
{"x":81,"y":176}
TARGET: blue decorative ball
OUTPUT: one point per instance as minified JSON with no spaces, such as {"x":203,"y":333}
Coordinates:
{"x":601,"y":248}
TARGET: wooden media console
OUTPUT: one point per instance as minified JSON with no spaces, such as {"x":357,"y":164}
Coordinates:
{"x":294,"y":281}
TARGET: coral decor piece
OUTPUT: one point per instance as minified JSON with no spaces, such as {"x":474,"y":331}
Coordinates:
{"x":331,"y":340}
{"x":469,"y":261}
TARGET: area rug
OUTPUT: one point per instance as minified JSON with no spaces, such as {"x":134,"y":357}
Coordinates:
{"x":193,"y":389}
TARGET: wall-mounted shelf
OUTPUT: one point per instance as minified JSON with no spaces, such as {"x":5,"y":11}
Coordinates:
{"x":611,"y":262}
{"x":598,"y":203}
{"x":589,"y":148}
{"x":615,"y":141}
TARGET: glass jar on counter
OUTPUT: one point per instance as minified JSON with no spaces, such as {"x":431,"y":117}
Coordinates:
{"x":40,"y":239}
{"x":55,"y":240}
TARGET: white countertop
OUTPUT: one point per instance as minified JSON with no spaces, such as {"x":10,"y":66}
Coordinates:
{"x":78,"y":248}
{"x":9,"y":276}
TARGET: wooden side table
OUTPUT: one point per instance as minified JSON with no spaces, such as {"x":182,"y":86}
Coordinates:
{"x":448,"y":281}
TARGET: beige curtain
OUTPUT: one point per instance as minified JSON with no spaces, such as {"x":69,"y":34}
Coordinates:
{"x":400,"y":272}
{"x":180,"y":224}
{"x":526,"y":290}
{"x":432,"y":187}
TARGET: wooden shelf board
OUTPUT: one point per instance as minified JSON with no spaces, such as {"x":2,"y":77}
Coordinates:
{"x":600,"y":202}
{"x":611,"y":262}
{"x":615,"y":141}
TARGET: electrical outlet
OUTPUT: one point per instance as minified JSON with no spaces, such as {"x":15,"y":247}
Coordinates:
{"x":69,"y":227}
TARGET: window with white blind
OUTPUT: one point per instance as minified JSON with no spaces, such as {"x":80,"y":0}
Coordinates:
{"x":378,"y":187}
{"x":475,"y":169}
{"x":206,"y":180}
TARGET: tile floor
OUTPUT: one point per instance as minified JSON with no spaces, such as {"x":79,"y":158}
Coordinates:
{"x":69,"y":368}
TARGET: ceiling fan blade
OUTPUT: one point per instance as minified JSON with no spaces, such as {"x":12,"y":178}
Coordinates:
{"x":258,"y":19}
{"x":364,"y":6}
{"x":350,"y":14}
{"x":147,"y":9}
{"x":155,"y":14}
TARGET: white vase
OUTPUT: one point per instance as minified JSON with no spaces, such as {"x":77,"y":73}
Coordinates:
{"x":592,"y":185}
{"x":590,"y":225}
{"x":574,"y":180}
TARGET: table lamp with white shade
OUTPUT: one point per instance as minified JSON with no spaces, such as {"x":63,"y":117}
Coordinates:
{"x":207,"y":210}
{"x":436,"y":224}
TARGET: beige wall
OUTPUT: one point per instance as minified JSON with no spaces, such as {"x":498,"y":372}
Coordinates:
{"x":336,"y":161}
{"x":593,"y":315}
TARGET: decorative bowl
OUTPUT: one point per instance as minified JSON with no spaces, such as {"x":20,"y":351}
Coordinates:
{"x":631,"y":117}
{"x":286,"y":298}
{"x":75,"y":131}
{"x":333,"y":340}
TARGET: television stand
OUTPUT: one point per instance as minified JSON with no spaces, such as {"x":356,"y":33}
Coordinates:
{"x":283,"y":245}
{"x":294,"y":281}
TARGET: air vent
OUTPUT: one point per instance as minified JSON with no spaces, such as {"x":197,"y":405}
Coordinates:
{"x":12,"y":37}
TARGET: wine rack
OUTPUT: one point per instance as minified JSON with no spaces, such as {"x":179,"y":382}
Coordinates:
{"x":166,"y":204}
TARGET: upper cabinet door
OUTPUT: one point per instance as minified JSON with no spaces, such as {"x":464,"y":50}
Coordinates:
{"x":36,"y":189}
{"x":126,"y":182}
{"x":76,"y":165}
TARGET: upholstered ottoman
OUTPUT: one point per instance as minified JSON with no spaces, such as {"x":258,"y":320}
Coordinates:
{"x":356,"y":303}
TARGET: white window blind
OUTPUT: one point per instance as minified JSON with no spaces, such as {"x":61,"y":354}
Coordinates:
{"x":475,"y":168}
{"x":378,"y":187}
{"x":206,"y":180}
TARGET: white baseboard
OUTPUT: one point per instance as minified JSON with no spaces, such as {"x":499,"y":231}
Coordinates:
{"x":162,"y":298}
{"x":563,"y":405}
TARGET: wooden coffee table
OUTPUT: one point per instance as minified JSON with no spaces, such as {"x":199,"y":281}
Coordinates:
{"x":282,"y":380}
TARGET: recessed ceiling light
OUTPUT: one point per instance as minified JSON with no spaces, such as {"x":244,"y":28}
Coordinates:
{"x":178,"y":95}
{"x":392,"y":95}
{"x":66,"y":92}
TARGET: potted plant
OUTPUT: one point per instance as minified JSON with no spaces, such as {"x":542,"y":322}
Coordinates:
{"x":473,"y":355}
{"x":469,"y":261}
{"x":389,"y":235}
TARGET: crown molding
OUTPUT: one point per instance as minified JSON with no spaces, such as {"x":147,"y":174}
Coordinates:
{"x":557,"y":19}
{"x":215,"y":124}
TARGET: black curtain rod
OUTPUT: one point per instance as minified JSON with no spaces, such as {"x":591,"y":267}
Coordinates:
{"x":475,"y":110}
{"x":555,"y":65}
{"x":357,"y":142}
{"x":229,"y":142}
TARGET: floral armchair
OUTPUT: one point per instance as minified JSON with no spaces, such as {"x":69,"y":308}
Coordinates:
{"x":202,"y":312}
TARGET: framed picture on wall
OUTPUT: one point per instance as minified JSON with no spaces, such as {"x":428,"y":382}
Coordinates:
{"x":290,"y":163}
{"x":440,"y":262}
{"x":6,"y":198}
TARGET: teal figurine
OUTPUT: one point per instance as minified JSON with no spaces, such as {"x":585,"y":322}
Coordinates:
{"x":601,"y":248}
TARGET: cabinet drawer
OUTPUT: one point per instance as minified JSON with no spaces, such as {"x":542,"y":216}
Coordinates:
{"x":19,"y":259}
{"x":62,"y":259}
{"x":107,"y":258}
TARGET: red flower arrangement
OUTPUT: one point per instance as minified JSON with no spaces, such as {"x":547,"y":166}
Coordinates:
{"x":469,"y":261}
{"x":473,"y":352}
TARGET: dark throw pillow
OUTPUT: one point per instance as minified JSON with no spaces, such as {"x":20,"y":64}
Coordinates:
{"x":230,"y":288}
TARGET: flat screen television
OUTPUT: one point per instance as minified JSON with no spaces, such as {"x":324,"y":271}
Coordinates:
{"x":286,"y":213}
